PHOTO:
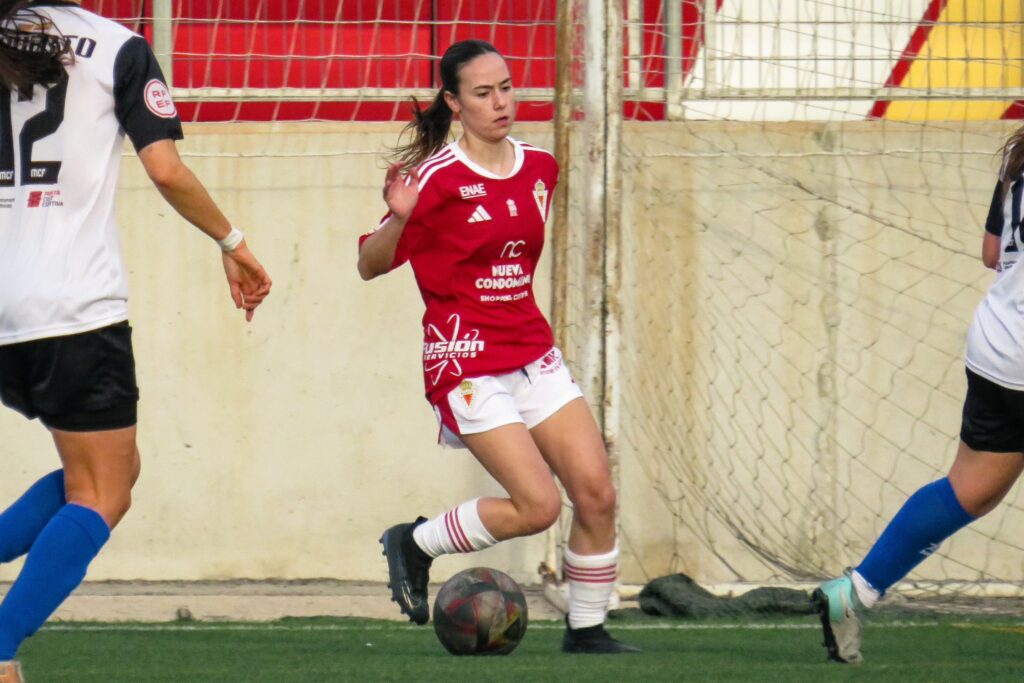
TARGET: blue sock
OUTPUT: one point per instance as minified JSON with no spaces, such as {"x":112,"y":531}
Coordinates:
{"x":21,"y":523}
{"x":929,"y":517}
{"x":54,"y":567}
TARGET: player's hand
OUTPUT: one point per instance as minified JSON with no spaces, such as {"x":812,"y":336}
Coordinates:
{"x":249,"y":283}
{"x":401,"y":192}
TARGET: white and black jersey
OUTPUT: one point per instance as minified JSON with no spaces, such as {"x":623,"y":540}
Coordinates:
{"x":995,"y":341}
{"x":61,"y":270}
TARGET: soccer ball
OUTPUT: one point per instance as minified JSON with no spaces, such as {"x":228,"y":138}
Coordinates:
{"x":480,"y":611}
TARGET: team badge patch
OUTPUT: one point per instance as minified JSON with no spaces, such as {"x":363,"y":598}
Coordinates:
{"x":158,"y":99}
{"x":540,"y":195}
{"x":466,"y":388}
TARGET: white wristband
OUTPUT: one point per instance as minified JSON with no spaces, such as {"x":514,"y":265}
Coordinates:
{"x":233,"y":239}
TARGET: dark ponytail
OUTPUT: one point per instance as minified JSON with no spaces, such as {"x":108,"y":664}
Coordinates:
{"x":430,"y":127}
{"x":30,"y":52}
{"x":1013,"y":156}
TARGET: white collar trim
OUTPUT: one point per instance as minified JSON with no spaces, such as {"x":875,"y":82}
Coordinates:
{"x":460,"y":154}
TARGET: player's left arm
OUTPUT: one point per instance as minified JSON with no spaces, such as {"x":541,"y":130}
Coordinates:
{"x":992,"y":242}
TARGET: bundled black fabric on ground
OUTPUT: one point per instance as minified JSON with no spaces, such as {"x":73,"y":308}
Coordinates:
{"x":677,"y":595}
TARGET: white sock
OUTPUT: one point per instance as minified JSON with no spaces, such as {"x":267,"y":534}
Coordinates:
{"x":457,"y":531}
{"x":868,"y":595}
{"x":591,"y":583}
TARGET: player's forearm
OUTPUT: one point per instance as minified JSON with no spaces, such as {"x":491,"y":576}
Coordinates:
{"x":990,"y":248}
{"x":377,"y":252}
{"x":183,"y":191}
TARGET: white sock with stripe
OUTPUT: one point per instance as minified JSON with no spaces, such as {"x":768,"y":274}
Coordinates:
{"x":591,"y":582}
{"x":457,"y":531}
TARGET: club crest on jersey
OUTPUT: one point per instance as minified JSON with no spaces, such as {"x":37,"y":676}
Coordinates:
{"x":513,"y":210}
{"x":469,"y":191}
{"x":466,"y":389}
{"x":479,"y":215}
{"x":540,"y":195}
{"x":158,"y":99}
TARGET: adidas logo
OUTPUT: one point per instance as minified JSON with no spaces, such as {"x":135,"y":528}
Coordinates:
{"x":479,"y":215}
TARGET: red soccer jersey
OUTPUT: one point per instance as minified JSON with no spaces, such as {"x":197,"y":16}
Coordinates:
{"x":474,"y":239}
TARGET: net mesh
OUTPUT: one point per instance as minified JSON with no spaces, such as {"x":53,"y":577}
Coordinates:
{"x":800,"y":264}
{"x":803,"y":185}
{"x":298,"y":60}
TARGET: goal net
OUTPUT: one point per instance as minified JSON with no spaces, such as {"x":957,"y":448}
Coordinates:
{"x":789,"y":209}
{"x":327,"y":60}
{"x":799,"y":255}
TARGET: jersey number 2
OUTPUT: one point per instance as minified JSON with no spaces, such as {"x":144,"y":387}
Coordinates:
{"x":36,"y":128}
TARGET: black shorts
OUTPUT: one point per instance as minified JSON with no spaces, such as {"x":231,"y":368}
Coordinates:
{"x":77,"y":383}
{"x":993,"y":416}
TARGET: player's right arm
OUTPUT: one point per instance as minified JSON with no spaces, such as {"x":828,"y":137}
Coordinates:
{"x":247,"y":280}
{"x":377,"y":251}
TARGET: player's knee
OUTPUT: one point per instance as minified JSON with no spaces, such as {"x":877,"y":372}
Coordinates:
{"x":980,"y":505}
{"x":118,"y":508}
{"x":540,"y":515}
{"x":596,"y":501}
{"x":112,"y":506}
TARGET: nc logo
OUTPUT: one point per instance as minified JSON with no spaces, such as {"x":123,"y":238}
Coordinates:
{"x":513,"y":249}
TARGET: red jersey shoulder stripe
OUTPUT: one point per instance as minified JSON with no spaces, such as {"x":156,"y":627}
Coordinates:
{"x":427,"y":170}
{"x":440,"y":155}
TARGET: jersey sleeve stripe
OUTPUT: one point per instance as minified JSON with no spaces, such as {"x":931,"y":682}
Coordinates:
{"x":434,"y":160}
{"x":424,"y":177}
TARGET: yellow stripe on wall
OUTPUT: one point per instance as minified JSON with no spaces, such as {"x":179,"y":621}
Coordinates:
{"x":988,"y":32}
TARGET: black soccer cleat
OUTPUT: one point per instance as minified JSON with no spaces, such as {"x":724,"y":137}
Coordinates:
{"x":594,"y":640}
{"x":408,"y":571}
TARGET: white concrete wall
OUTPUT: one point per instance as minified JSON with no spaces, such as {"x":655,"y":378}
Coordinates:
{"x":795,"y":303}
{"x":284,"y":447}
{"x":795,"y":299}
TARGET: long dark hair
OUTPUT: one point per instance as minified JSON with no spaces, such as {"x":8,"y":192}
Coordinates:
{"x":1013,"y":156}
{"x":430,"y":127}
{"x":30,"y":51}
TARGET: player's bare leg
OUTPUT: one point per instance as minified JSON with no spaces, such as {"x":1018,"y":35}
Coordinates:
{"x":975,"y":485}
{"x":509,"y":454}
{"x":982,"y":479}
{"x":100,"y":469}
{"x":573,"y":447}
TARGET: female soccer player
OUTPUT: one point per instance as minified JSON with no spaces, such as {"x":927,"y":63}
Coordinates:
{"x":470,"y":216}
{"x":990,"y":457}
{"x":71,"y":86}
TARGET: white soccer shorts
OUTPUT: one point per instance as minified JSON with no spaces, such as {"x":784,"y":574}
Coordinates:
{"x":529,"y":396}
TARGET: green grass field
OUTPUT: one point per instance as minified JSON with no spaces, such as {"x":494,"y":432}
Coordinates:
{"x":922,"y":649}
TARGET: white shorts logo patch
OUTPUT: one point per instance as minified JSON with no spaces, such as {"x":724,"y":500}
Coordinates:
{"x":551,"y":362}
{"x":466,"y":389}
{"x":158,"y":100}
